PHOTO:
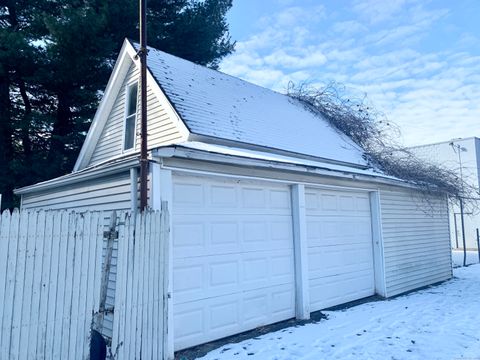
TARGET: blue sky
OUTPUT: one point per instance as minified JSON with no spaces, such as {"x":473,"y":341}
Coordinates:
{"x":417,"y":61}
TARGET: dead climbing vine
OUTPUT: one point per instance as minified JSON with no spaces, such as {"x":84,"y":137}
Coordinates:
{"x":372,"y":131}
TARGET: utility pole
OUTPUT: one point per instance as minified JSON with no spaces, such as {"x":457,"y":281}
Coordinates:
{"x":463,"y":234}
{"x":142,"y":53}
{"x":458,"y":149}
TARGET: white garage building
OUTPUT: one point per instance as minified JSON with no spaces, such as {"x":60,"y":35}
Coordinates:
{"x":274,"y":213}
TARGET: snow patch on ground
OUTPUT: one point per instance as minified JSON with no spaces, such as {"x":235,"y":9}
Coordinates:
{"x":441,"y":322}
{"x":457,"y":259}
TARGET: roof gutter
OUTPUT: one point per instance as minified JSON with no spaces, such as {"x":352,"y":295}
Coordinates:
{"x":193,"y":154}
{"x":84,"y":175}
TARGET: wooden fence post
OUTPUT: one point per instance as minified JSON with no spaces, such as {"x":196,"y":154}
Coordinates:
{"x":165,"y":257}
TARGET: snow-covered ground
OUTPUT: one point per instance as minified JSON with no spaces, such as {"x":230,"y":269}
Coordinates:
{"x":441,"y":322}
{"x":457,"y":257}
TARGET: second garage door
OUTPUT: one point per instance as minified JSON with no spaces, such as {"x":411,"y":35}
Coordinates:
{"x":233,"y":266}
{"x":340,"y":253}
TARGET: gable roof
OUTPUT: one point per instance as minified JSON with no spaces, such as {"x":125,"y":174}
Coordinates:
{"x":221,"y":106}
{"x":213,"y":107}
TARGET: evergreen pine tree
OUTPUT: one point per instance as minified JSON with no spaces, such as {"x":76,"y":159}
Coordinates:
{"x":55,"y":60}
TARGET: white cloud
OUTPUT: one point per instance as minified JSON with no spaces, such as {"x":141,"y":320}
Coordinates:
{"x":432,"y":95}
{"x":303,"y":59}
{"x":468,"y":40}
{"x":376,"y":11}
{"x":348,"y":28}
{"x":294,"y":15}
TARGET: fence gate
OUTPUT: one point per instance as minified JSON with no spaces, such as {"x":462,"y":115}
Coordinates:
{"x":139,"y":325}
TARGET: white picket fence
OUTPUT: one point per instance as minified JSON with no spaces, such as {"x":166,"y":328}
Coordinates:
{"x":50,"y":271}
{"x":51,"y":284}
{"x":139,"y":323}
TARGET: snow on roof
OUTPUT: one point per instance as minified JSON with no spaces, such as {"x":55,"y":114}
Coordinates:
{"x":258,"y":155}
{"x":214,"y":104}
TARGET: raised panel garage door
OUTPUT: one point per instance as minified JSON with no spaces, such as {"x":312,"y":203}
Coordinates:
{"x":233,"y":266}
{"x":340,"y":253}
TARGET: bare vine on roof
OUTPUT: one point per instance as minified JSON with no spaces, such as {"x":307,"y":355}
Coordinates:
{"x":377,"y":136}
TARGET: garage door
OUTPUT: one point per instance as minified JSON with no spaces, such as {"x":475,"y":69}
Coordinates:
{"x":340,"y":253}
{"x":233,"y":267}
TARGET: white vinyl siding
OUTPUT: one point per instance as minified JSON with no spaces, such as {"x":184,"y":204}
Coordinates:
{"x":102,"y":194}
{"x":161,"y":128}
{"x":416,"y":240}
{"x":109,"y":193}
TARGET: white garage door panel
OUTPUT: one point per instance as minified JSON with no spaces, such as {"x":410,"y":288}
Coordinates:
{"x":215,"y":234}
{"x":222,"y":316}
{"x":202,"y":277}
{"x":340,"y":254}
{"x":188,"y":197}
{"x":328,"y":230}
{"x":341,"y":260}
{"x":233,"y":266}
{"x":327,"y":292}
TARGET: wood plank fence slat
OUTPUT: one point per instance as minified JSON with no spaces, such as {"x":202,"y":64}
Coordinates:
{"x":62,"y":280}
{"x":33,"y":313}
{"x":51,"y":284}
{"x":59,"y":219}
{"x":139,"y":321}
{"x":9,"y":230}
{"x":148,"y":300}
{"x":5,"y":244}
{"x":21,"y":282}
{"x":45,"y":296}
{"x":156,"y":315}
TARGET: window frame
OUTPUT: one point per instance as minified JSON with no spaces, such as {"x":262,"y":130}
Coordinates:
{"x":126,"y":116}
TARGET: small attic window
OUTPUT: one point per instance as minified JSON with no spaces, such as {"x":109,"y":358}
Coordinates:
{"x":130,"y":117}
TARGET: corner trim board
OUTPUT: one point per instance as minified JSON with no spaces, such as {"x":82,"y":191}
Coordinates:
{"x":302,"y":297}
{"x":377,"y":238}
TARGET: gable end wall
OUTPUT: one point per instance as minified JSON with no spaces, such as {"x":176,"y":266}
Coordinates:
{"x":162,"y":129}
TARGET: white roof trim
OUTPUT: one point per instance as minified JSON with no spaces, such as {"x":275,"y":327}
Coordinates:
{"x":120,"y":70}
{"x":93,"y":172}
{"x":122,"y":65}
{"x":241,"y":152}
{"x":240,"y":157}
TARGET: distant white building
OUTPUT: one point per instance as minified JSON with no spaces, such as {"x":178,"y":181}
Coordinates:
{"x":462,"y":156}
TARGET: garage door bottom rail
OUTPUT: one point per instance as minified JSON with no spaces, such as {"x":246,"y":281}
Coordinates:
{"x":201,"y":350}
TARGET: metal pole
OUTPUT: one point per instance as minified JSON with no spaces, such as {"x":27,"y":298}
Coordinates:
{"x":462,"y":220}
{"x":463,"y":234}
{"x":456,"y":229}
{"x":478,"y":245}
{"x":143,"y":104}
